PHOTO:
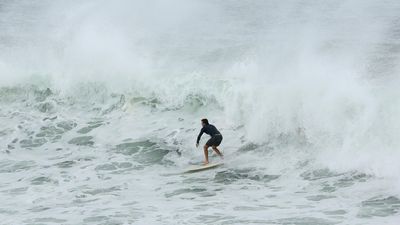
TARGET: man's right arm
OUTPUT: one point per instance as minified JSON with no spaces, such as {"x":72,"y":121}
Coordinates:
{"x":199,"y":136}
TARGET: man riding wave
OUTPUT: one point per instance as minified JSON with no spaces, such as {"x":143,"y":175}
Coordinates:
{"x":214,"y":141}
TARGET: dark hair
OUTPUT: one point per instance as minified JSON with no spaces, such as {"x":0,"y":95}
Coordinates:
{"x":205,"y":121}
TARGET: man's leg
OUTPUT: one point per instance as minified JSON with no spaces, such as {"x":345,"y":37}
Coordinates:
{"x":206,"y":154}
{"x":216,"y":150}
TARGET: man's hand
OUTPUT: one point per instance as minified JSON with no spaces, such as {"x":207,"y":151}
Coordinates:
{"x":197,"y":145}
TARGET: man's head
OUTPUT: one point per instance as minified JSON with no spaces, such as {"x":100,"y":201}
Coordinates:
{"x":204,"y":122}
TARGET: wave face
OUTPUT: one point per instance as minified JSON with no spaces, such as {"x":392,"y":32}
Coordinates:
{"x":101,"y":104}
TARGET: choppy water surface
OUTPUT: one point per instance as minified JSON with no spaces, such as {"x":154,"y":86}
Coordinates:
{"x":86,"y":167}
{"x":100,"y":106}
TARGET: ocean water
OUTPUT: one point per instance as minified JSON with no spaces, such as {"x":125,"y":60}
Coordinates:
{"x":101,"y":101}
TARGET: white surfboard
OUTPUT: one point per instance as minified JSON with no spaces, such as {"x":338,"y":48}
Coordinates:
{"x":203,"y":167}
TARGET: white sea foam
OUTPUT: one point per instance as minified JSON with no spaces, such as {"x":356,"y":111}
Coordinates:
{"x":305,"y":94}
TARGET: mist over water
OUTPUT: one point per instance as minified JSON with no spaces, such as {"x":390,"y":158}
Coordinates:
{"x":101,"y":102}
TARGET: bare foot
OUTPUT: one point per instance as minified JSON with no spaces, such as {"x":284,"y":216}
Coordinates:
{"x":205,"y":163}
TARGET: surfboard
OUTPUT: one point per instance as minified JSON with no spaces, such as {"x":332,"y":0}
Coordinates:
{"x":203,"y":167}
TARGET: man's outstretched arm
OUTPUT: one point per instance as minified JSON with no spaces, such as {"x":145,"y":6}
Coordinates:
{"x":199,"y":136}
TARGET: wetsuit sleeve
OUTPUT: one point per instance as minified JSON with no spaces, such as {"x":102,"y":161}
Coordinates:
{"x":201,"y":133}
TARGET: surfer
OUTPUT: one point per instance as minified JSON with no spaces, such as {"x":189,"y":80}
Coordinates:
{"x":214,"y":141}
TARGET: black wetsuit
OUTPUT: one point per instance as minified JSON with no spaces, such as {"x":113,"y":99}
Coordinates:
{"x":216,"y":137}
